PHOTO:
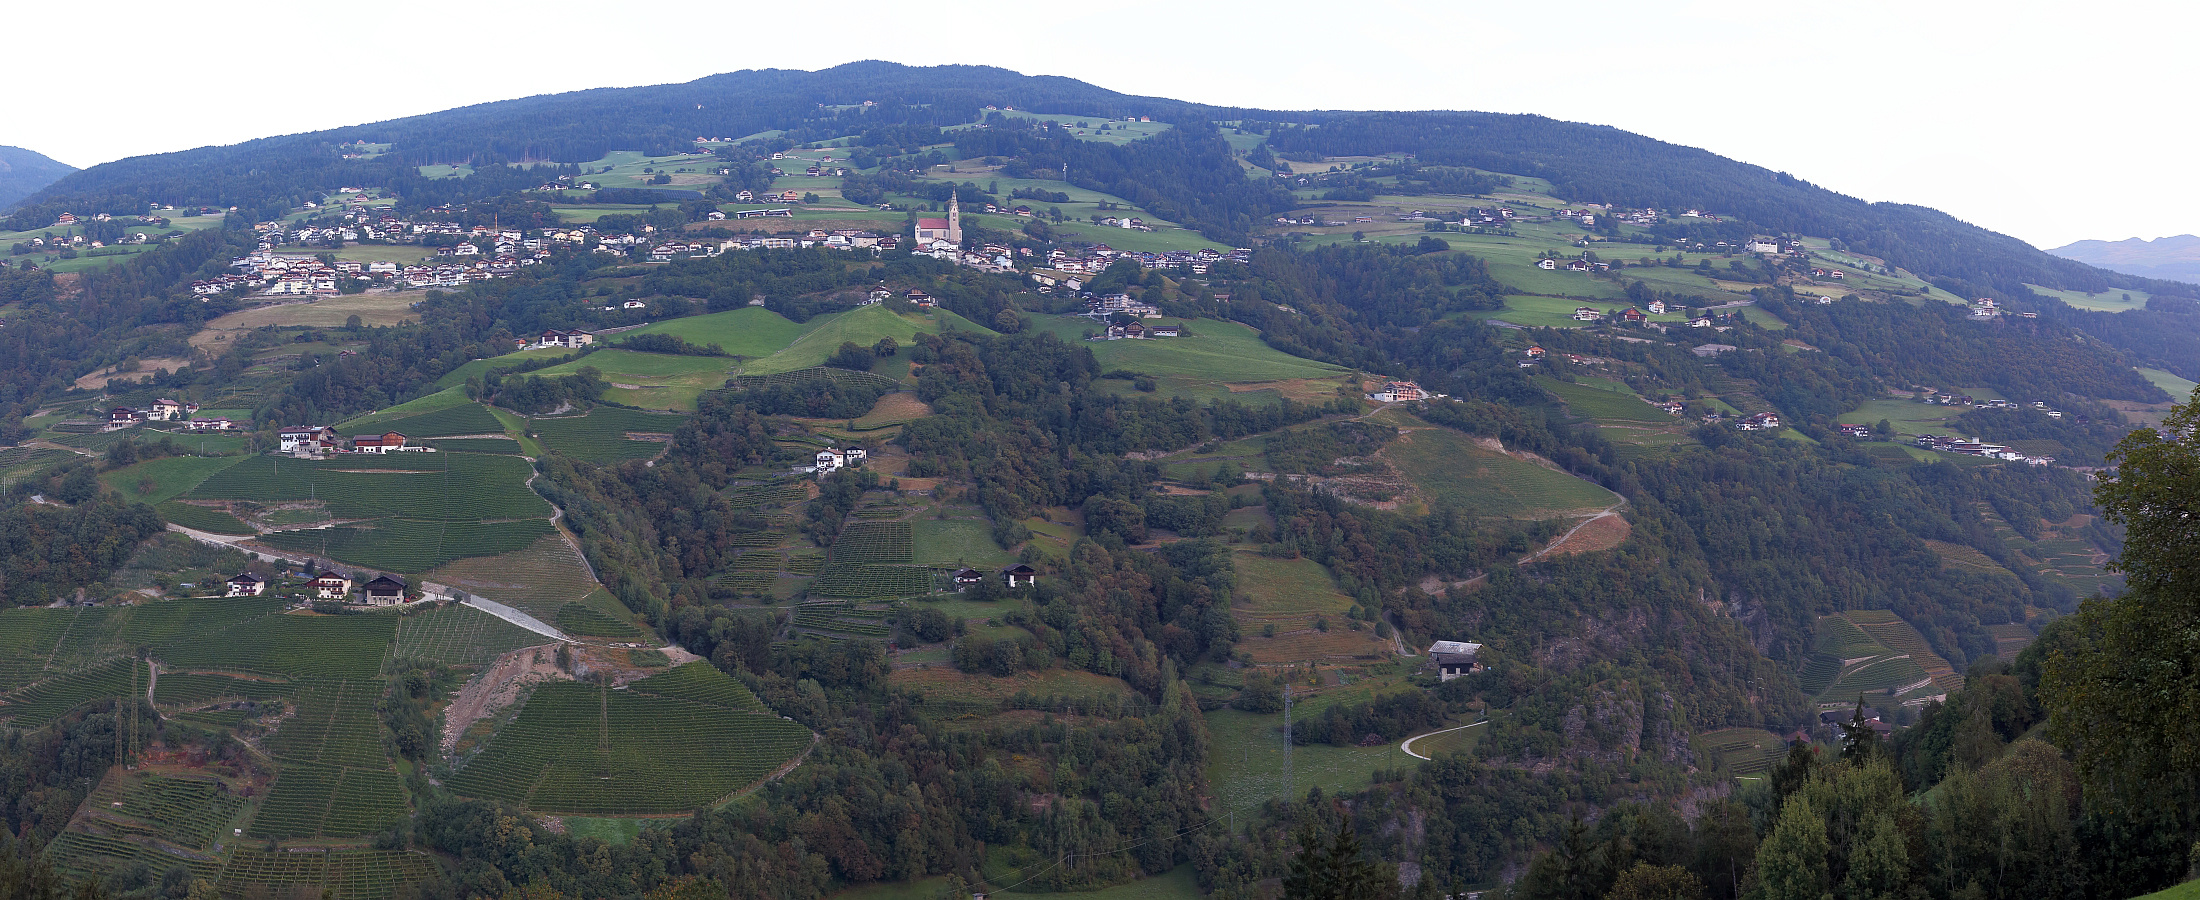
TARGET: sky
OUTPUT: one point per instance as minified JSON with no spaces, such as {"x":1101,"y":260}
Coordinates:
{"x":2052,"y":122}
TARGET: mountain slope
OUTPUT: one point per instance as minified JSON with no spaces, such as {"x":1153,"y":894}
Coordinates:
{"x":26,"y":172}
{"x":2173,"y":258}
{"x":1583,"y":162}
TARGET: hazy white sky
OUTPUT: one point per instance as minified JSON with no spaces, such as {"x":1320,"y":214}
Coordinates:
{"x":2048,"y":121}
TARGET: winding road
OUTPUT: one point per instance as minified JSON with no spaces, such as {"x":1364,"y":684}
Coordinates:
{"x":1407,"y":744}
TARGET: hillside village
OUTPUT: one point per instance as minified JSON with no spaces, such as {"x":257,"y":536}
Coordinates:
{"x":676,"y":502}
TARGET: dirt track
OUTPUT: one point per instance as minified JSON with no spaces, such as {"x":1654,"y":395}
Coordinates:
{"x":497,"y":687}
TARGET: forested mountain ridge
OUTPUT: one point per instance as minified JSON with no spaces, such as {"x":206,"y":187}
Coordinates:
{"x":1694,"y":500}
{"x":26,"y":172}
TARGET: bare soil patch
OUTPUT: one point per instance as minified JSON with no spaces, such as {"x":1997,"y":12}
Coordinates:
{"x":145,"y":369}
{"x":372,"y":309}
{"x":1600,"y":533}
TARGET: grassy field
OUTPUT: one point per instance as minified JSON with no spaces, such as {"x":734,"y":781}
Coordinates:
{"x":540,"y":578}
{"x":1605,"y":400}
{"x":478,"y":367}
{"x":1450,"y":468}
{"x":1246,"y":767}
{"x":2178,"y":388}
{"x":652,"y":380}
{"x":1908,"y":417}
{"x":441,"y":414}
{"x":1539,"y":312}
{"x":863,"y":326}
{"x":1296,"y":597}
{"x":1210,"y":350}
{"x":379,"y":308}
{"x":601,"y":434}
{"x":956,"y":542}
{"x":2111,"y":300}
{"x":160,"y":480}
{"x":2190,"y":890}
{"x":750,"y":331}
{"x":410,"y":545}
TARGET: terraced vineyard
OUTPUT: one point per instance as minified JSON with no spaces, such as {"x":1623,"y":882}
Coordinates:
{"x":476,"y":445}
{"x":462,"y":418}
{"x":447,"y":487}
{"x":1743,"y":751}
{"x":842,"y":617}
{"x":335,"y":725}
{"x":873,"y":542}
{"x":539,"y":579}
{"x":460,"y":636}
{"x":1890,"y":673}
{"x":769,"y":496}
{"x":345,"y":874}
{"x":27,"y":638}
{"x":81,"y":854}
{"x":587,"y":621}
{"x":313,"y":800}
{"x":1873,"y":651}
{"x":191,"y":689}
{"x":44,"y":702}
{"x":407,"y":545}
{"x":290,"y":646}
{"x":602,"y":435}
{"x":864,"y":580}
{"x":1889,"y":629}
{"x":701,"y":682}
{"x":202,"y":518}
{"x":581,"y":749}
{"x":800,"y":377}
{"x":2010,"y":640}
{"x":193,"y":812}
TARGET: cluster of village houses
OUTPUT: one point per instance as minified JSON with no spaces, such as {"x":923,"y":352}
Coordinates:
{"x":383,"y":590}
{"x":315,"y":441}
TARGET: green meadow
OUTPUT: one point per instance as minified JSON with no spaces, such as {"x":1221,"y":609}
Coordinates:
{"x":862,"y":326}
{"x":1210,"y":349}
{"x":750,"y":331}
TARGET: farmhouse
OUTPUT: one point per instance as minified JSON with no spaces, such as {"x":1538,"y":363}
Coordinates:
{"x":562,"y":338}
{"x":246,"y":585}
{"x":307,"y":439}
{"x":1398,"y":392}
{"x":385,"y":442}
{"x":1020,"y":575}
{"x":1454,"y":658}
{"x":331,"y":586}
{"x":165,"y":410}
{"x":384,"y":591}
{"x":830,"y":459}
{"x":964,"y":578}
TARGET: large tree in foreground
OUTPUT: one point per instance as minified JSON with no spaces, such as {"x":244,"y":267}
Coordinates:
{"x":2122,"y":686}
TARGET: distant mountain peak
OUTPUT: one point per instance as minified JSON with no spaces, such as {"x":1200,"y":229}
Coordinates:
{"x":24,"y":172}
{"x":2176,"y":257}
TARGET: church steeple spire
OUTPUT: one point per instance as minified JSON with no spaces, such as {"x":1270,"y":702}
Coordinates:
{"x":954,"y":217}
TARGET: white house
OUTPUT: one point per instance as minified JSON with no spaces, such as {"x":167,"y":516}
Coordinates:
{"x":246,"y":585}
{"x":331,"y":586}
{"x":830,"y":459}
